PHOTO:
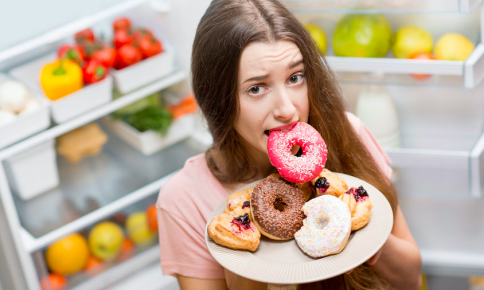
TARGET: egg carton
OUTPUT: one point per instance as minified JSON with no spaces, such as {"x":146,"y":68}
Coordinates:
{"x":25,"y":123}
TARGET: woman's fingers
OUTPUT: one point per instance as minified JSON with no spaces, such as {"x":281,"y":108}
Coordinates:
{"x":375,"y":257}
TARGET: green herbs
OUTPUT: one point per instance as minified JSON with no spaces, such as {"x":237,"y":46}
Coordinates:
{"x":146,"y":114}
{"x":151,"y":118}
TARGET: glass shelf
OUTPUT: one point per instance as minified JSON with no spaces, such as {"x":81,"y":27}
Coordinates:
{"x":95,"y":182}
{"x":127,"y":262}
{"x":381,"y":6}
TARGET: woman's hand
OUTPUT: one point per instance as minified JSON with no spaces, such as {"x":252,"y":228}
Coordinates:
{"x":372,"y":260}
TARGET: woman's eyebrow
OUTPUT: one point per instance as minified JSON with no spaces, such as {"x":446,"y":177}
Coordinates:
{"x":294,"y":64}
{"x":259,"y":78}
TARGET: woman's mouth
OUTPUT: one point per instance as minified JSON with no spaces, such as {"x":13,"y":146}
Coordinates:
{"x":281,"y":128}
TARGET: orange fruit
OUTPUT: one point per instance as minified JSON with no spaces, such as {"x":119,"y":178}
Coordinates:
{"x":53,"y":282}
{"x":152,"y":220}
{"x":92,"y":263}
{"x":127,"y":250}
{"x":421,"y":55}
{"x":94,"y":266}
{"x":68,"y":255}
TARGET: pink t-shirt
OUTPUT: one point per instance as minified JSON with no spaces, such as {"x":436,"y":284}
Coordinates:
{"x":188,"y":199}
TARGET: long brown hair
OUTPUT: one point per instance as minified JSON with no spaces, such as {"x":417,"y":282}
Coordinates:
{"x":226,"y":28}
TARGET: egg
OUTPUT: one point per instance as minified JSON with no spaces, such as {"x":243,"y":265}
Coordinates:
{"x":13,"y":96}
{"x":6,"y":117}
{"x":31,"y":105}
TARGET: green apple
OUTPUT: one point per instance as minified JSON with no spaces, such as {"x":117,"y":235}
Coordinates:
{"x":105,"y":240}
{"x":410,"y":40}
{"x":366,"y":35}
{"x":318,"y":36}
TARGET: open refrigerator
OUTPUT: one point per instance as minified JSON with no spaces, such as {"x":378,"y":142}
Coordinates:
{"x":437,"y":167}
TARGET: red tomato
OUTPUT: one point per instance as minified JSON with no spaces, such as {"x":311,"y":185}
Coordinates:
{"x":149,"y":46}
{"x":71,"y":52}
{"x":53,"y":282}
{"x":141,"y":32}
{"x":121,"y":23}
{"x":421,"y":55}
{"x":106,"y":55}
{"x":85,"y":35}
{"x":94,"y":71}
{"x":87,"y":49}
{"x":122,"y":37}
{"x":128,"y":55}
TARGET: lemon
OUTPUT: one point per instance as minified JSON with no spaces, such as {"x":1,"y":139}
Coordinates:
{"x":453,"y":46}
{"x":318,"y":36}
{"x":68,"y":255}
{"x":105,"y":240}
{"x":138,"y":229}
{"x":411,"y":39}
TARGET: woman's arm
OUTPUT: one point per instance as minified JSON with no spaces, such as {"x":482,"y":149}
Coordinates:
{"x":232,"y":282}
{"x":189,"y":283}
{"x":400,"y":261}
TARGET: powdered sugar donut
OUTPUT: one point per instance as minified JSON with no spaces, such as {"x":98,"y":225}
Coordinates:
{"x":331,"y":239}
{"x":293,"y":168}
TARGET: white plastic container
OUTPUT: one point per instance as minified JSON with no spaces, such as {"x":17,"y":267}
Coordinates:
{"x":33,"y":171}
{"x":149,"y":142}
{"x":26,"y":124}
{"x":72,"y":105}
{"x":145,"y":71}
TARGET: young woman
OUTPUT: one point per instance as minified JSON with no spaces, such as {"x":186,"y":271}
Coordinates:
{"x":256,"y":69}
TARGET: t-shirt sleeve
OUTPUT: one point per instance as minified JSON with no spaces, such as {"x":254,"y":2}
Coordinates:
{"x":372,"y":145}
{"x":183,"y":250}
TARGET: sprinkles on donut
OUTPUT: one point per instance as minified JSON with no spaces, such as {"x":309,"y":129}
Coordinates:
{"x":293,"y":168}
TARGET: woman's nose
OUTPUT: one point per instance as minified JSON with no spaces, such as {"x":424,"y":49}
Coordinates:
{"x":284,"y":107}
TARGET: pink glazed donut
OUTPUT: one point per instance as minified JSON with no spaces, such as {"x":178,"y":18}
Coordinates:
{"x":293,"y":168}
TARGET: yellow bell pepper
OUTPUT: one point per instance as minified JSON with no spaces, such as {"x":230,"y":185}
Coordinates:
{"x":60,"y":78}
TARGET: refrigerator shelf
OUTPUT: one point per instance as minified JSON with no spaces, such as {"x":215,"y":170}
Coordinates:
{"x":381,"y":6}
{"x":96,"y":188}
{"x":455,"y":172}
{"x":109,"y":276}
{"x":92,"y":115}
{"x":452,"y":263}
{"x":467,"y":74}
{"x":67,"y":29}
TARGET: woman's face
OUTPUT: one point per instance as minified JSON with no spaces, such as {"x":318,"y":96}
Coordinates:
{"x":272,"y":91}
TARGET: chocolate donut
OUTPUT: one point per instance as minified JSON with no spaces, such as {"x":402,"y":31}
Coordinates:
{"x":276,"y":207}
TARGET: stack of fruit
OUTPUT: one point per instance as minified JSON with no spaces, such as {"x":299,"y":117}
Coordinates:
{"x":89,"y":60}
{"x":133,"y":44}
{"x":76,"y":66}
{"x":370,"y":35}
{"x":106,"y":242}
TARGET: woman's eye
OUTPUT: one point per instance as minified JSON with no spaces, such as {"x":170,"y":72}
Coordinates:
{"x":296,"y":79}
{"x":256,"y":90}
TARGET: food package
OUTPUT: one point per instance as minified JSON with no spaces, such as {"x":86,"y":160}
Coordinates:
{"x":81,"y":142}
